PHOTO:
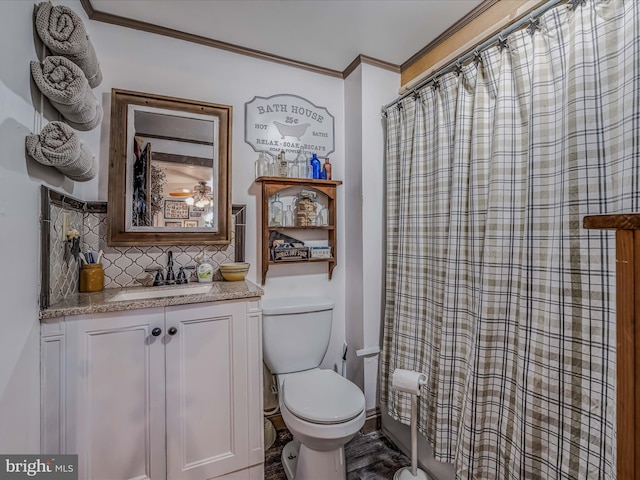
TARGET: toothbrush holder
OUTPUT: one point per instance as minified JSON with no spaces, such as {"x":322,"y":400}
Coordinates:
{"x":91,"y":277}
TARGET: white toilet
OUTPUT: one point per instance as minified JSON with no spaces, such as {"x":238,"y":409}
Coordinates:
{"x":321,"y":409}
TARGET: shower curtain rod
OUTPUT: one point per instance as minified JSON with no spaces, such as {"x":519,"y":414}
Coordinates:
{"x":530,"y":19}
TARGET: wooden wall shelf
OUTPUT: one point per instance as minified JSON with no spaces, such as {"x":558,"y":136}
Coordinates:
{"x":273,"y":185}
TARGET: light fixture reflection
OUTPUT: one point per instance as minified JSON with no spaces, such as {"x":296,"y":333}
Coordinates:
{"x":202,"y":196}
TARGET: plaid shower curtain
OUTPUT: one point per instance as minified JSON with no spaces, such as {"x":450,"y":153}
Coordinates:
{"x":493,"y":288}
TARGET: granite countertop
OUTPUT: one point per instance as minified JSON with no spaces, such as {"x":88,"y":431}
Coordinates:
{"x":100,"y":302}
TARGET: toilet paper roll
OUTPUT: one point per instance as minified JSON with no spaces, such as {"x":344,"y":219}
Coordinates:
{"x":407,"y":381}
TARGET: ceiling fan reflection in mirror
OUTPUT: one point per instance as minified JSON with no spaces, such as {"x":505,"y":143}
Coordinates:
{"x":184,"y":192}
{"x":202,"y":196}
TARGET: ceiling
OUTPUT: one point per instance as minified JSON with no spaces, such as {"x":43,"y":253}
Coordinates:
{"x":325,"y":33}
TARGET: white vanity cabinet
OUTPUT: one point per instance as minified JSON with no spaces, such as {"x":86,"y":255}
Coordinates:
{"x":161,"y":393}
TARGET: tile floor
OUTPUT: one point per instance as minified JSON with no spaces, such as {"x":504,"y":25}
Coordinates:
{"x":369,"y":457}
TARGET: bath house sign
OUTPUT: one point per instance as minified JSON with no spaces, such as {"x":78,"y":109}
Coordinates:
{"x":286,"y":122}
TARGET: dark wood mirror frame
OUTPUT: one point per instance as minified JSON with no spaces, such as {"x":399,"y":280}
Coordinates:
{"x":118,"y":234}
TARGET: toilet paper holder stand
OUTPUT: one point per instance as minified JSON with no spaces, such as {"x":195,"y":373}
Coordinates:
{"x":410,"y":382}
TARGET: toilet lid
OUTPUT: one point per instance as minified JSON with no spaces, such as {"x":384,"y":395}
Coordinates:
{"x":322,"y":396}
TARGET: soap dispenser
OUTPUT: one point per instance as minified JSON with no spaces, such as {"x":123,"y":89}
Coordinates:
{"x":205,"y":270}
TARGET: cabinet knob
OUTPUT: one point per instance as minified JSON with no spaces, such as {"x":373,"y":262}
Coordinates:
{"x":172,"y":331}
{"x":156,"y":331}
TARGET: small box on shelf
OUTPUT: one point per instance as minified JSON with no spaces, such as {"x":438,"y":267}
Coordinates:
{"x":283,"y":253}
{"x":320,"y":252}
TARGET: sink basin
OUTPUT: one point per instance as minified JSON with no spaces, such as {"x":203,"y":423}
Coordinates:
{"x":160,"y":292}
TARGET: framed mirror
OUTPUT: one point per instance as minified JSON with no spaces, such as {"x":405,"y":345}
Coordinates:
{"x":169,"y":171}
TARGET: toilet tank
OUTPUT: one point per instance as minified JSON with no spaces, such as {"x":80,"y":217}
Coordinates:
{"x":295,"y":332}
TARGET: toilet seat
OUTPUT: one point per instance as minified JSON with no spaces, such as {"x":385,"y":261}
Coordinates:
{"x":322,"y":397}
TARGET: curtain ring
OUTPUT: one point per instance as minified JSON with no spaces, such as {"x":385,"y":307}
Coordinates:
{"x":572,"y":4}
{"x":416,"y":95}
{"x":458,"y":68}
{"x":436,"y":83}
{"x":502,"y":43}
{"x":477,"y":58}
{"x":534,"y":24}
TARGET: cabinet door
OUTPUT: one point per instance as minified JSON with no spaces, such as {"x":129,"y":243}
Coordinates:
{"x":207,"y":404}
{"x":115,"y":395}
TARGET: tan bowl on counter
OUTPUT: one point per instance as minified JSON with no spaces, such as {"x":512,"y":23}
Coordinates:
{"x":234,"y":272}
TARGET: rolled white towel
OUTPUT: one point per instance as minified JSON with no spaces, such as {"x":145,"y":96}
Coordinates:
{"x":65,"y":85}
{"x":58,"y":146}
{"x":63,"y":31}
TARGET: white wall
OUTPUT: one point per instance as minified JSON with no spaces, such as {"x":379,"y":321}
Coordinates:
{"x":379,"y":87}
{"x":20,"y":180}
{"x":353,"y":233}
{"x":366,"y":90}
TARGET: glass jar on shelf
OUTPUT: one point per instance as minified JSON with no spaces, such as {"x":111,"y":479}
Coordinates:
{"x":301,"y":164}
{"x":261,"y":166}
{"x":275,"y":211}
{"x":283,"y":165}
{"x":273,"y":166}
{"x":287,"y":217}
{"x":327,"y":168}
{"x":292,"y":169}
{"x":315,"y":167}
{"x":322,"y":220}
{"x":306,"y":208}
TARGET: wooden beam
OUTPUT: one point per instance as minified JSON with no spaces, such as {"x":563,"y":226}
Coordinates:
{"x":182,"y":159}
{"x":627,"y":338}
{"x":625,"y":357}
{"x":174,"y":139}
{"x":488,"y":19}
{"x":624,"y":221}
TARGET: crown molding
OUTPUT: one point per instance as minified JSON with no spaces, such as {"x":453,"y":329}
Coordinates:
{"x":99,"y":16}
{"x":360,"y":59}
